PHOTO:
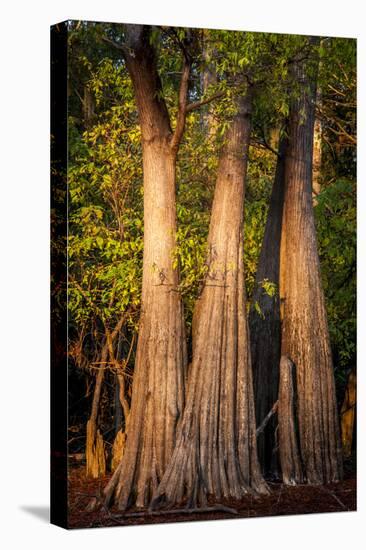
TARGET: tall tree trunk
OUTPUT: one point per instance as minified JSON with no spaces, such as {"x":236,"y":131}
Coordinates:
{"x":305,"y":337}
{"x":264,"y":319}
{"x":158,"y":384}
{"x":215,"y":452}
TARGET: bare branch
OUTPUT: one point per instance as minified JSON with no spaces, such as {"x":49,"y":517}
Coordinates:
{"x":265,"y":145}
{"x":197,"y":104}
{"x":115,"y":44}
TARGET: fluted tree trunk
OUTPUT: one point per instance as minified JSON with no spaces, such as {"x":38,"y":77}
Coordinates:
{"x":305,"y":336}
{"x":264,"y":319}
{"x":158,"y":384}
{"x":215,"y":452}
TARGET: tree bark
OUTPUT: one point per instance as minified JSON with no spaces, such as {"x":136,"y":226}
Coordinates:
{"x":288,"y":446}
{"x":305,"y":337}
{"x":118,"y":449}
{"x":158,"y":383}
{"x":215,"y":453}
{"x":264,"y":319}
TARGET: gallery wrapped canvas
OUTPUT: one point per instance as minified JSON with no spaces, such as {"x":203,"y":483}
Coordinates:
{"x":203,"y":274}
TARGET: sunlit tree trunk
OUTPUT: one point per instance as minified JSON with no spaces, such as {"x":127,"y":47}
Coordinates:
{"x":158,"y":384}
{"x":264,"y":319}
{"x":305,"y":336}
{"x":215,"y":452}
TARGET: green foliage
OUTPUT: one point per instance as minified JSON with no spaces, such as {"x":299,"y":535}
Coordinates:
{"x":196,"y":174}
{"x":258,"y":191}
{"x":105,"y":243}
{"x":105,"y":203}
{"x":269,"y":287}
{"x":336,"y":229}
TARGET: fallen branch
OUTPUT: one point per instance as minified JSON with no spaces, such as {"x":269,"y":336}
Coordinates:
{"x":219,"y":508}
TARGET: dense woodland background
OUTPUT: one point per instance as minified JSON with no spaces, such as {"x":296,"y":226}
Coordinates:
{"x":105,"y":178}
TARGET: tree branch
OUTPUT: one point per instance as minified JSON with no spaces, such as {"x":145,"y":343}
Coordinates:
{"x":265,"y":145}
{"x":115,"y":44}
{"x":197,"y":104}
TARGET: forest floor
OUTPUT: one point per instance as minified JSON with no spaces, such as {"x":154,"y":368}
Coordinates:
{"x":283,"y":500}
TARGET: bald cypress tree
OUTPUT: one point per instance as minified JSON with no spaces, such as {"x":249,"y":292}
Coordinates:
{"x":264,"y":319}
{"x":215,"y":453}
{"x":305,"y":336}
{"x":158,"y":384}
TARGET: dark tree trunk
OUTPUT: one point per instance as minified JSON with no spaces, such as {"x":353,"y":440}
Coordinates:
{"x":287,"y":434}
{"x":215,"y":452}
{"x":317,"y":141}
{"x":348,"y":413}
{"x":122,"y":405}
{"x":305,"y":337}
{"x":158,"y":384}
{"x":95,"y":452}
{"x":88,"y":107}
{"x":317,"y":154}
{"x":208,"y":79}
{"x":264,"y":320}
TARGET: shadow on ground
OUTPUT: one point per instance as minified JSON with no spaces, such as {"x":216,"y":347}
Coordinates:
{"x":40,"y":512}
